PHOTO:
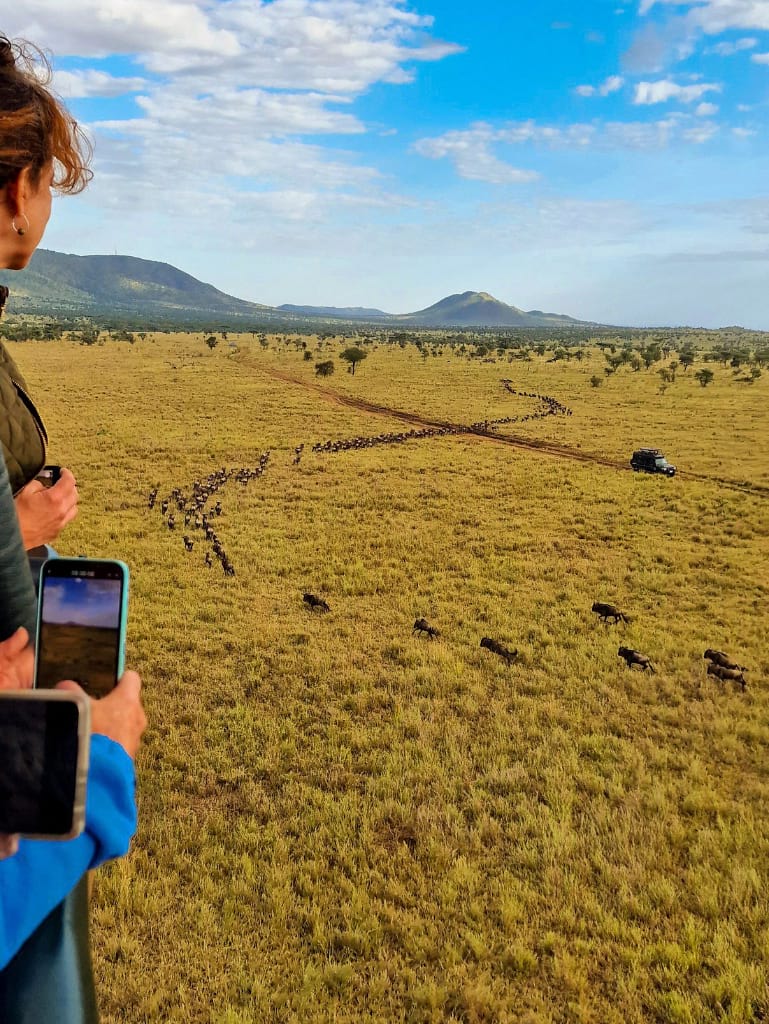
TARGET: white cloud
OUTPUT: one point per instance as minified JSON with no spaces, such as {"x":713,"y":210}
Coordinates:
{"x":97,"y":28}
{"x":716,"y":16}
{"x":706,"y":110}
{"x":699,"y":134}
{"x":648,"y":93}
{"x":471,"y":149}
{"x":92,"y":83}
{"x":612,"y":84}
{"x":469,"y":152}
{"x":729,"y":49}
{"x":230,"y":92}
{"x":744,"y":133}
{"x":329,"y":45}
{"x":760,"y":58}
{"x":661,"y":42}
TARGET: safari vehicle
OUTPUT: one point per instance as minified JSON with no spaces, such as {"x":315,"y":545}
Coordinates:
{"x":651,"y":460}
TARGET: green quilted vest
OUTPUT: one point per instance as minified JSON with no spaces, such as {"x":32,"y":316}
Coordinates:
{"x":22,"y":433}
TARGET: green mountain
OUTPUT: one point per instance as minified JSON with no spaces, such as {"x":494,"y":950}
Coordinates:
{"x":335,"y":312}
{"x":479,"y":309}
{"x":56,"y":283}
{"x":126,"y":287}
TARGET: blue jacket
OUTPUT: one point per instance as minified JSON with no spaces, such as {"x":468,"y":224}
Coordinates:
{"x":41,"y":874}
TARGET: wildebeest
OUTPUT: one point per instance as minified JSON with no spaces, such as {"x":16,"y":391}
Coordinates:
{"x":721,"y":659}
{"x":725,"y":674}
{"x":315,"y":604}
{"x":188,"y":544}
{"x":497,"y":648}
{"x":608,"y":611}
{"x":635,"y":658}
{"x":209,"y":560}
{"x":423,"y":626}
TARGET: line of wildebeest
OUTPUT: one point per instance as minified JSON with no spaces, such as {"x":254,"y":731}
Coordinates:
{"x":193,"y":508}
{"x":721,"y":665}
{"x":549,"y":406}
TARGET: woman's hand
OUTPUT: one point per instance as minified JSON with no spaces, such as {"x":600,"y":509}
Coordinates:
{"x":43,"y":512}
{"x":17,"y":663}
{"x":120,"y":714}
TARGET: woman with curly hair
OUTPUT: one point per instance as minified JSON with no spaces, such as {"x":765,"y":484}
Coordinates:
{"x":42,"y":150}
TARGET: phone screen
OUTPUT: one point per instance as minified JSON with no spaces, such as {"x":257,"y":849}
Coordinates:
{"x":38,"y":765}
{"x":79,"y":634}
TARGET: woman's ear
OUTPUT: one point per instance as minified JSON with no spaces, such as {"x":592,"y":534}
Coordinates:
{"x":17,"y":191}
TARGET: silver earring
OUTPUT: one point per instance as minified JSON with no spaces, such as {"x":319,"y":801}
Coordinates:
{"x":17,"y":229}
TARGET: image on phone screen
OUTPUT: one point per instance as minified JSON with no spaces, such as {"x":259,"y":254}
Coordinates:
{"x":79,"y":634}
{"x":39,"y":755}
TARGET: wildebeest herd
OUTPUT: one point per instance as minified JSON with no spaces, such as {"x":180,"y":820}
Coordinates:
{"x":196,"y":517}
{"x":721,"y":666}
{"x":192,"y":508}
{"x":549,"y":406}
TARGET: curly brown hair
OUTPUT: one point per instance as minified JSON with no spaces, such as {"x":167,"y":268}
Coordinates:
{"x":36,"y":129}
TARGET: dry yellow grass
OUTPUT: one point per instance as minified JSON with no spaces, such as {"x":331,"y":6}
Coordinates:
{"x":343,"y":822}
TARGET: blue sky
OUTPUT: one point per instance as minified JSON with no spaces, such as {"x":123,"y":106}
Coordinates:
{"x":84,"y":602}
{"x":601,"y":159}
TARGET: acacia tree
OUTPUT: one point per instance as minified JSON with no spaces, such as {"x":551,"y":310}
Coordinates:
{"x":704,"y":376}
{"x":324,"y":369}
{"x":353,"y":356}
{"x":686,"y":357}
{"x":212,"y":342}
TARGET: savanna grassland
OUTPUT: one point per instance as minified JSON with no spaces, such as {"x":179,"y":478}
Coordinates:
{"x":343,"y":822}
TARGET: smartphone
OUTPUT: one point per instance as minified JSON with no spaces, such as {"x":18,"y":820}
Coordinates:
{"x":81,"y":623}
{"x":44,"y":748}
{"x":49,"y":475}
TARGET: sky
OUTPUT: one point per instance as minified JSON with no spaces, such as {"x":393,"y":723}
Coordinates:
{"x":93,"y":603}
{"x":602,"y":159}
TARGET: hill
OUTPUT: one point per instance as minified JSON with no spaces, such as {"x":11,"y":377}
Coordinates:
{"x":335,"y":312}
{"x":59,"y":284}
{"x":479,"y":309}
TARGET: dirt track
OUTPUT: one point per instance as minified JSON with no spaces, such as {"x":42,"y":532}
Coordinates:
{"x":530,"y":444}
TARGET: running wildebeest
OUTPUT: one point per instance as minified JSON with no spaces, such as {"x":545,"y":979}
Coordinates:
{"x":423,"y":626}
{"x":635,"y":658}
{"x":188,"y":544}
{"x":721,"y":659}
{"x":726,"y":674}
{"x":497,"y":648}
{"x":608,"y":611}
{"x":315,"y":603}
